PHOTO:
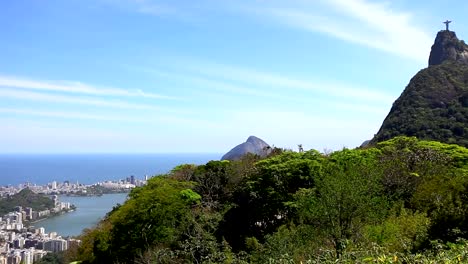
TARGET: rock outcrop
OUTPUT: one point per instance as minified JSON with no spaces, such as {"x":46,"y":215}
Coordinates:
{"x":253,"y":145}
{"x":434,"y":105}
{"x":447,"y":47}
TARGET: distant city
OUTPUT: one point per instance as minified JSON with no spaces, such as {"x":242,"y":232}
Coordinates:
{"x":74,"y":188}
{"x":21,"y":242}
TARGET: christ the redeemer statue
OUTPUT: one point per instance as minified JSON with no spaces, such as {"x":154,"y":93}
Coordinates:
{"x":447,"y":24}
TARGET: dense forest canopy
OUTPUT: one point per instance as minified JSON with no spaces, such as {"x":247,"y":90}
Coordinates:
{"x":404,"y":200}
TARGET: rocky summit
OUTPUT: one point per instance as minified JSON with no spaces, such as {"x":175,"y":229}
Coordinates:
{"x":434,"y":105}
{"x":447,"y":47}
{"x":253,"y":145}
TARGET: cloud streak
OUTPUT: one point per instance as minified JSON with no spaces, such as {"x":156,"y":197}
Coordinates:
{"x":75,"y":87}
{"x":253,"y":82}
{"x":275,"y":80}
{"x":372,"y":24}
{"x":61,"y":114}
{"x":54,"y":98}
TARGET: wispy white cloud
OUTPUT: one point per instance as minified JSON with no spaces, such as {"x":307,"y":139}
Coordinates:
{"x":255,"y":82}
{"x":211,"y":83}
{"x":374,"y":24}
{"x":272,"y":80}
{"x":55,"y":98}
{"x":157,"y":8}
{"x":64,"y":114}
{"x":142,"y":118}
{"x":75,"y":87}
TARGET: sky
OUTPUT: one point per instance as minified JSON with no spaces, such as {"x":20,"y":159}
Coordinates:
{"x":151,"y":76}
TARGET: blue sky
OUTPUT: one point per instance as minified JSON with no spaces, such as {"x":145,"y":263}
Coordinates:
{"x":201,"y":76}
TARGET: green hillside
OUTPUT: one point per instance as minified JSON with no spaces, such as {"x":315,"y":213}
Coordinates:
{"x":433,"y":106}
{"x":25,"y":198}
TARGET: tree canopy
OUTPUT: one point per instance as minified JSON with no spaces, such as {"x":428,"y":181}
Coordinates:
{"x":398,"y":199}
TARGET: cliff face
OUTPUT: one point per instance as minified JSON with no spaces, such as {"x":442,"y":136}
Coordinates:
{"x":253,"y":145}
{"x":434,"y":105}
{"x":447,"y":47}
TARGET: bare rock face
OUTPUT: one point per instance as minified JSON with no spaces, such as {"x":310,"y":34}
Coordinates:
{"x":253,"y":145}
{"x":447,"y":47}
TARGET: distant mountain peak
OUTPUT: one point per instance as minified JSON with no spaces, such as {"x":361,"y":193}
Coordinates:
{"x":447,"y":47}
{"x":253,"y":145}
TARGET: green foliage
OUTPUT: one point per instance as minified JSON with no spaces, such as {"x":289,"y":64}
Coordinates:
{"x":383,"y":204}
{"x":212,"y":182}
{"x":407,"y":162}
{"x":400,"y":233}
{"x":433,"y":106}
{"x":445,"y":200}
{"x":155,"y":214}
{"x":260,"y":202}
{"x":25,"y":198}
{"x":450,"y":253}
{"x":190,"y":196}
{"x":52,"y":258}
{"x":345,"y":197}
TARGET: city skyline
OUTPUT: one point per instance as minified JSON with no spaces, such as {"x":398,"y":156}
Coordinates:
{"x":134,"y":76}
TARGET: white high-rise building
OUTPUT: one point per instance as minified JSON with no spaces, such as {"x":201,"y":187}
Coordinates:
{"x":52,"y":235}
{"x":56,"y":245}
{"x":40,"y":231}
{"x":38,"y":254}
{"x":27,"y":257}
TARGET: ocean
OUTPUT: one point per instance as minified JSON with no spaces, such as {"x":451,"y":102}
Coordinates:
{"x":89,"y":168}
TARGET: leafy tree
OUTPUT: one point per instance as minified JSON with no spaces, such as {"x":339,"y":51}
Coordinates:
{"x":260,"y":202}
{"x":52,"y":258}
{"x":406,"y":163}
{"x":402,"y":231}
{"x":444,"y":198}
{"x":346,"y":197}
{"x":212,"y":180}
{"x":154,"y":215}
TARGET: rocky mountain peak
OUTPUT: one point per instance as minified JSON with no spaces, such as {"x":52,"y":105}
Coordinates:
{"x":256,"y":140}
{"x":448,"y":47}
{"x":253,"y":145}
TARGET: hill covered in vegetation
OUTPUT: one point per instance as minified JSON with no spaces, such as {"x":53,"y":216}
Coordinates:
{"x":434,"y":105}
{"x":402,"y":201}
{"x":25,"y":198}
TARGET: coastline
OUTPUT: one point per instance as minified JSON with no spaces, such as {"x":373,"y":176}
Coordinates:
{"x":28,"y":223}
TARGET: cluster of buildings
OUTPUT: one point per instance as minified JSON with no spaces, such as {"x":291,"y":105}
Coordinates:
{"x":49,"y":189}
{"x":26,"y":245}
{"x":14,"y":220}
{"x":20,"y":244}
{"x":125,"y":184}
{"x":69,"y":188}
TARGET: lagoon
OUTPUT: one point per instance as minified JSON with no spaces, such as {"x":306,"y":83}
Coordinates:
{"x":90,"y":210}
